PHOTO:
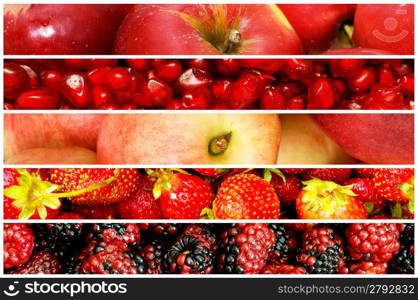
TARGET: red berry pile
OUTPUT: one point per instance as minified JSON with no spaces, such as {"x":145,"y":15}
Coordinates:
{"x":110,"y":84}
{"x":118,"y":248}
{"x":268,"y":194}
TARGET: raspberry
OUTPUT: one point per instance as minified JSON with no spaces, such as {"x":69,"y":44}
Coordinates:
{"x":42,"y":262}
{"x":19,"y":242}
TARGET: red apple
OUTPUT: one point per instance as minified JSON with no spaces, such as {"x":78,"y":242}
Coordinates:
{"x":26,"y":131}
{"x":317,"y":24}
{"x":357,"y":51}
{"x":61,"y":28}
{"x":189,"y":139}
{"x":372,"y":138}
{"x":387,"y":27}
{"x":54,"y":156}
{"x":304,"y":142}
{"x":206,"y":29}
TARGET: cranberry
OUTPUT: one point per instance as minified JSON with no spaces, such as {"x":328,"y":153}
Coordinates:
{"x":52,"y":79}
{"x":98,"y":75}
{"x":272,"y":98}
{"x":168,"y":70}
{"x":228,"y":67}
{"x":363,"y":81}
{"x":118,"y":79}
{"x":15,"y":80}
{"x":191,"y":79}
{"x":76,"y":88}
{"x":346,"y":67}
{"x":37,"y":98}
{"x":270,"y":66}
{"x":198,"y":98}
{"x":138,"y":64}
{"x":247,"y":89}
{"x":101,"y":95}
{"x":323,"y":94}
{"x":220,"y":89}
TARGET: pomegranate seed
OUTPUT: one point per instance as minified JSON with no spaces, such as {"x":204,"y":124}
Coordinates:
{"x":220,"y":106}
{"x":138,"y":64}
{"x":95,"y":63}
{"x":384,"y":97}
{"x":174,"y":105}
{"x":198,"y":98}
{"x":98,"y":75}
{"x":298,"y":69}
{"x":343,"y":89}
{"x":37,"y":98}
{"x":401,"y":68}
{"x":156,"y":93}
{"x":346,"y":67}
{"x":270,"y":66}
{"x":33,"y":77}
{"x":297,"y":102}
{"x":15,"y":79}
{"x":228,"y":67}
{"x":8,"y":106}
{"x":247,"y":89}
{"x":192,"y":78}
{"x":386,"y":75}
{"x":199,"y":63}
{"x":220,"y":89}
{"x":101,"y":95}
{"x":118,"y":79}
{"x":323,"y":94}
{"x":407,"y":85}
{"x":128,"y":107}
{"x":76,"y":89}
{"x":52,"y":79}
{"x":363,"y":81}
{"x":109,"y":106}
{"x":292,"y":88}
{"x":75,"y":64}
{"x":272,"y":98}
{"x":168,"y":70}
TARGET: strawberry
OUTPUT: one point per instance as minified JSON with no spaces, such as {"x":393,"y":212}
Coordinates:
{"x":329,"y":174}
{"x":292,"y":171}
{"x":366,"y":192}
{"x":69,"y":216}
{"x":142,"y":204}
{"x":27,"y":195}
{"x":395,"y":184}
{"x":19,"y":242}
{"x":106,"y":212}
{"x":96,"y":186}
{"x":181,"y":195}
{"x":287,"y":188}
{"x":365,"y":172}
{"x":245,"y":196}
{"x":212,"y":172}
{"x":321,"y":199}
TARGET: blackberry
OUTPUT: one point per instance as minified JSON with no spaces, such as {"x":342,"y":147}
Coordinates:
{"x":188,"y":255}
{"x":244,"y":248}
{"x":403,"y":261}
{"x":204,"y":233}
{"x":283,"y":269}
{"x":42,"y":262}
{"x":128,"y":233}
{"x":406,"y":236}
{"x":322,"y":251}
{"x":164,"y":229}
{"x":153,"y":255}
{"x":60,"y":238}
{"x":283,"y":248}
{"x":368,"y":267}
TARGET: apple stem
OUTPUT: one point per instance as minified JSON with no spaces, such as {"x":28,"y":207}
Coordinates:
{"x":219,"y":144}
{"x":348,"y":33}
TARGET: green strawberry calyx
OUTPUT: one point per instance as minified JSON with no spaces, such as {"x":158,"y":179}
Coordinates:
{"x":163,"y":179}
{"x":267,"y":174}
{"x":33,"y":194}
{"x":326,"y":195}
{"x":208,"y":213}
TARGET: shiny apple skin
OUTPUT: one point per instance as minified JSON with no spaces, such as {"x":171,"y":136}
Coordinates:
{"x":61,"y":28}
{"x":387,"y":27}
{"x":357,"y":51}
{"x":372,"y":138}
{"x":159,"y":29}
{"x":317,"y":24}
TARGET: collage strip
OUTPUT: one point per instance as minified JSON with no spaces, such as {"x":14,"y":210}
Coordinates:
{"x":131,"y":146}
